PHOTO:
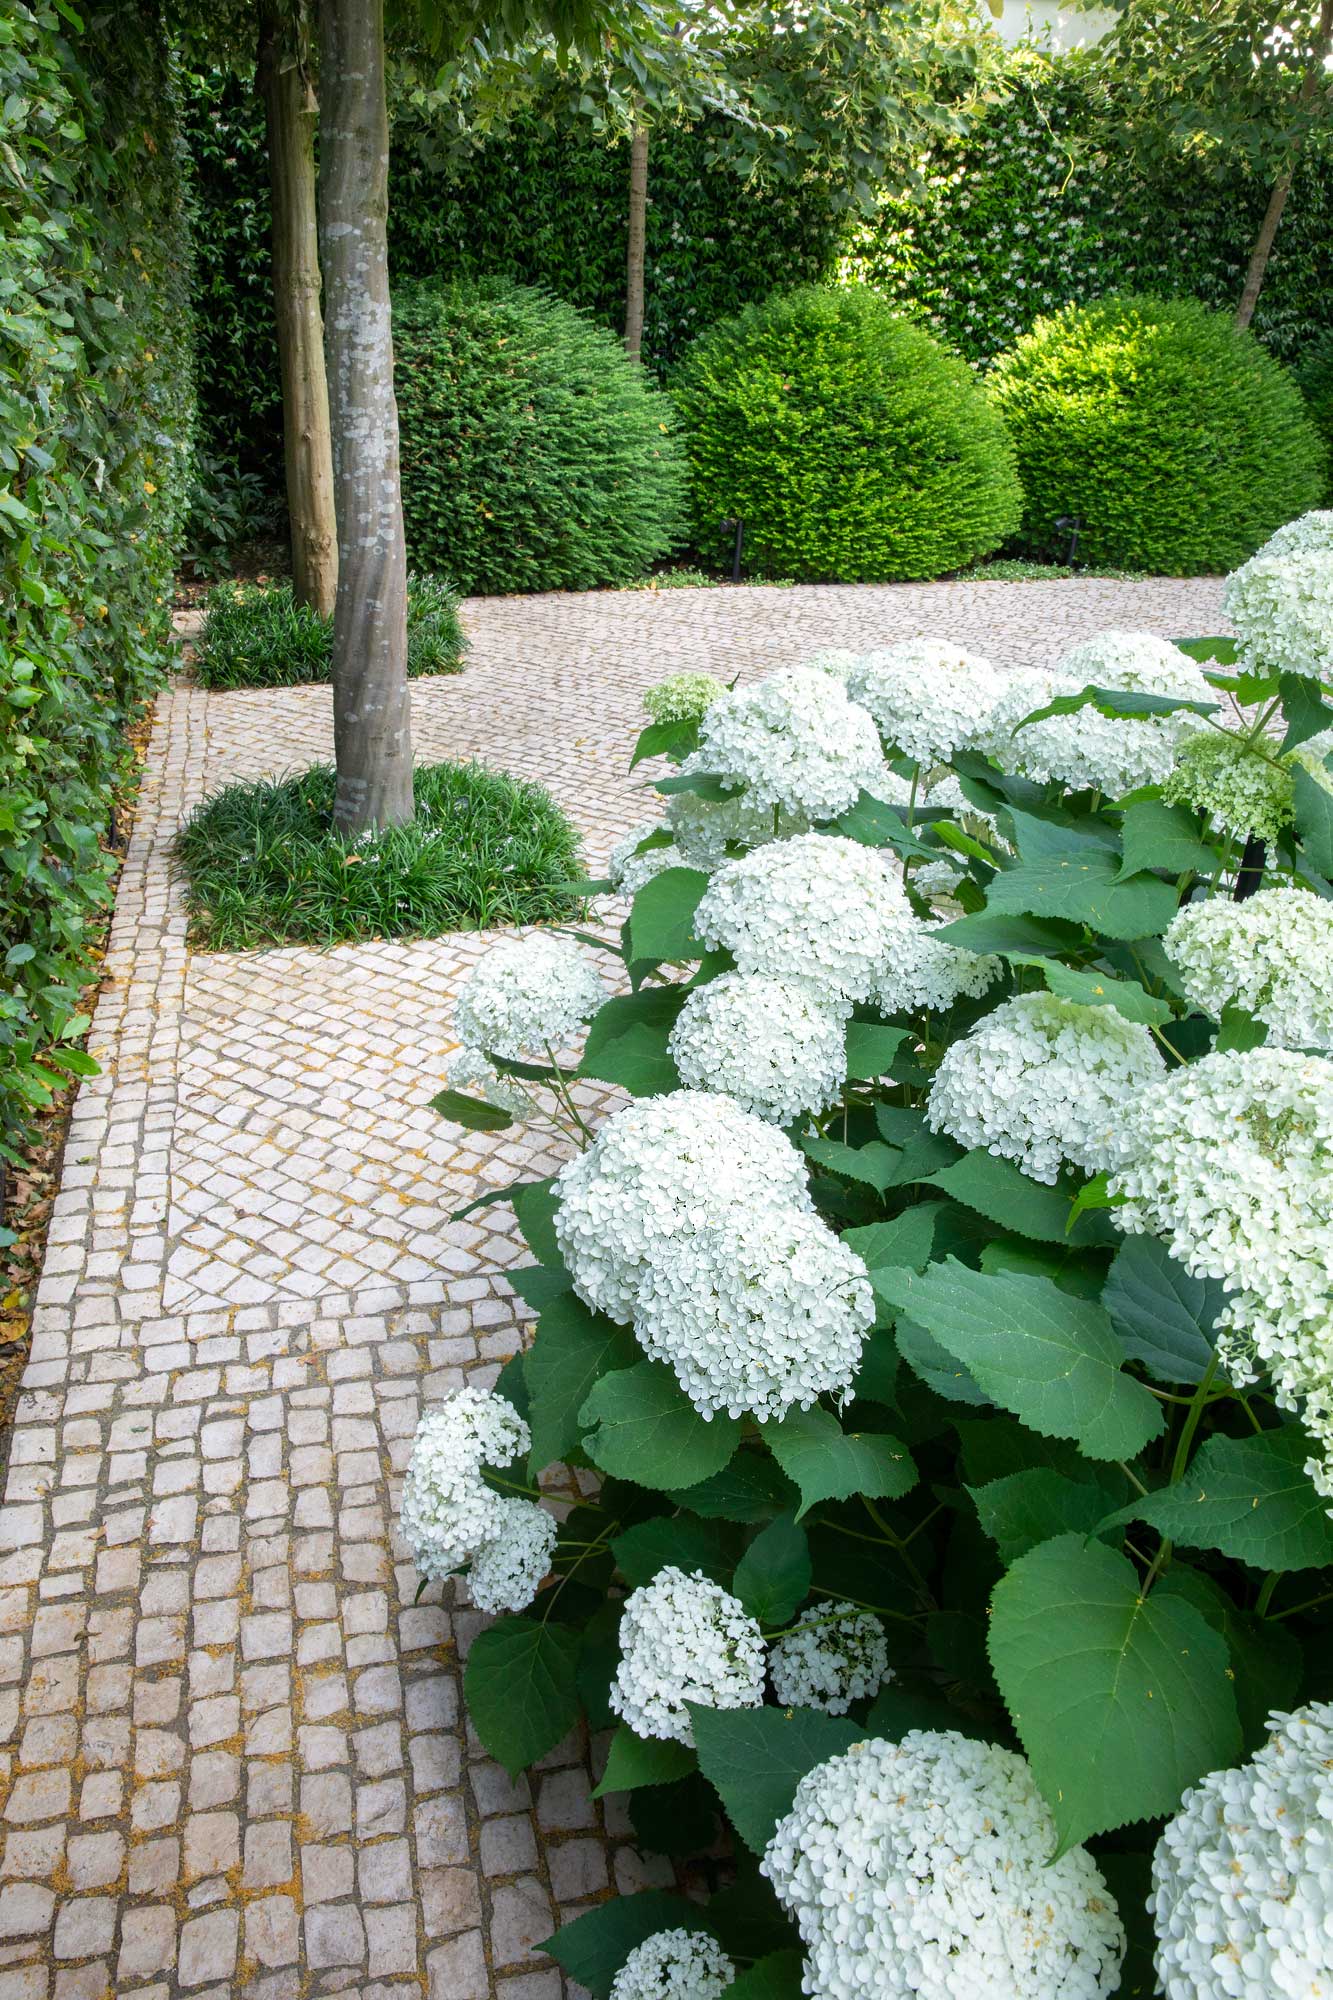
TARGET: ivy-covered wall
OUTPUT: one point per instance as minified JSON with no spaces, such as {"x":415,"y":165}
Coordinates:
{"x":96,"y":417}
{"x":1018,"y":219}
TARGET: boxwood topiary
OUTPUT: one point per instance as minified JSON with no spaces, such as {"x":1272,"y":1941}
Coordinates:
{"x":1176,"y":440}
{"x":535,"y":455}
{"x":851,"y":445}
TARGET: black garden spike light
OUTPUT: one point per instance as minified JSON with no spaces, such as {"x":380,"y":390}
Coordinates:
{"x":736,"y":524}
{"x":1074,"y":523}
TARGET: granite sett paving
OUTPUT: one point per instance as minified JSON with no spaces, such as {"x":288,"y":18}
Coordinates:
{"x":233,"y":1756}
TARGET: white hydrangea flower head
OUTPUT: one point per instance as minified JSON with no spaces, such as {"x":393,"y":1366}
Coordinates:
{"x":1243,"y":790}
{"x":1271,"y":955}
{"x":527,"y":995}
{"x":508,"y":1568}
{"x":1085,"y":749}
{"x":1308,"y":534}
{"x":682,"y":697}
{"x":705,"y":829}
{"x":924,"y":971}
{"x":684,"y":1638}
{"x":756,"y":1310}
{"x":928,"y":696}
{"x":835,"y":1655}
{"x":629,"y":870}
{"x":1230,"y":1161}
{"x":1282,"y":609}
{"x":919,"y":1870}
{"x":1137,"y":661}
{"x":1042,"y":1081}
{"x":674,"y":1965}
{"x":794,"y":741}
{"x":836,"y":660}
{"x":447,"y":1510}
{"x":819,"y":908}
{"x":1243,"y":1875}
{"x":778,"y":1046}
{"x":662,"y":1167}
{"x":937,"y":881}
{"x":471,"y":1069}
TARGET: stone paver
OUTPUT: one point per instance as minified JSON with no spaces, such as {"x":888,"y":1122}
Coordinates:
{"x":233,"y":1757}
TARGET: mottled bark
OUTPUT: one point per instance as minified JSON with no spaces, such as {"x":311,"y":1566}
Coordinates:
{"x":282,"y":77}
{"x":1314,"y":79}
{"x":638,"y":219}
{"x":371,"y":714}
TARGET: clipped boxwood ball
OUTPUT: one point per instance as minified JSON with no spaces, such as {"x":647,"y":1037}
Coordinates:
{"x":535,"y":455}
{"x":852,"y":446}
{"x":1178,"y":442}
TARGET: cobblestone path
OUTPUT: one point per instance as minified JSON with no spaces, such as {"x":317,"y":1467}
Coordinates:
{"x":234,"y":1758}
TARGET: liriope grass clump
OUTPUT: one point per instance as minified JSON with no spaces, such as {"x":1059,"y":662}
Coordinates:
{"x":264,"y":865}
{"x":258,"y":636}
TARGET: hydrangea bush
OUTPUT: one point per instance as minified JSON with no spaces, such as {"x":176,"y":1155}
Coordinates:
{"x":934,"y":1344}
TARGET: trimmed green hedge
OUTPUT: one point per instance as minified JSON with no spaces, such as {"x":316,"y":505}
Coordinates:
{"x":1176,"y":440}
{"x":1314,"y":377}
{"x":95,"y":428}
{"x":535,"y":455}
{"x":851,"y":445}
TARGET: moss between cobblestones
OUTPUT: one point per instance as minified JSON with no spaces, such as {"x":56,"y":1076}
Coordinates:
{"x":264,"y":865}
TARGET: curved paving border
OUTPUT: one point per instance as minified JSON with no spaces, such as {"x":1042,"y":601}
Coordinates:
{"x":235,"y":1760}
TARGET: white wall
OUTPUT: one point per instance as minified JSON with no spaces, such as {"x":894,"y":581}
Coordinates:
{"x":1051,"y":24}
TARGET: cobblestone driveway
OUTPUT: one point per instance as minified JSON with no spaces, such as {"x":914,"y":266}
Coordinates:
{"x":235,"y":1760}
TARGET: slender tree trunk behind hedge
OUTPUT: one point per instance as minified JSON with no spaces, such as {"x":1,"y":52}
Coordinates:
{"x":1314,"y":77}
{"x":290,"y":114}
{"x":371,"y":711}
{"x":638,"y":219}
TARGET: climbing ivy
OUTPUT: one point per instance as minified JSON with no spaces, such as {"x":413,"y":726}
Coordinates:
{"x":95,"y":429}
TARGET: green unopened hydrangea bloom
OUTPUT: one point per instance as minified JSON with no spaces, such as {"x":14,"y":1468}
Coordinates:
{"x":1243,"y":791}
{"x":682,"y":697}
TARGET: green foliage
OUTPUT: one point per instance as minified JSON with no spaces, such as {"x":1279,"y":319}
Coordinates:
{"x":850,"y":444}
{"x":1314,"y":377}
{"x":264,"y":865}
{"x":95,"y":433}
{"x":1176,"y":441}
{"x":1046,"y":200}
{"x":1036,"y":204}
{"x":535,"y":455}
{"x":539,"y":205}
{"x":257,"y":636}
{"x":1120,"y":1700}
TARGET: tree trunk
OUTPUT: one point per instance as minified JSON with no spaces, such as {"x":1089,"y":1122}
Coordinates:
{"x":1277,"y":200}
{"x":638,"y":218}
{"x":371,"y":712}
{"x":283,"y":79}
{"x":1263,"y":245}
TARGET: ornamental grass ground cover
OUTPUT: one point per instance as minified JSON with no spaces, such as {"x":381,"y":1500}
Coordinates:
{"x":259,"y":636}
{"x":945,"y":1318}
{"x":264,"y":866}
